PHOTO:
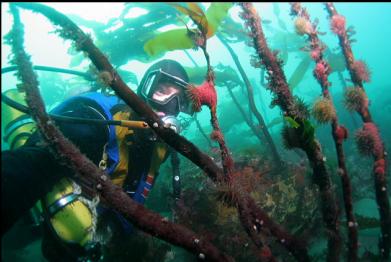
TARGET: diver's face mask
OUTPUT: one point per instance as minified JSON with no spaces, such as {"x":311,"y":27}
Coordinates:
{"x":166,"y":93}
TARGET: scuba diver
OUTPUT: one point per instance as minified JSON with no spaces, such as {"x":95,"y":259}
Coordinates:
{"x":75,"y":225}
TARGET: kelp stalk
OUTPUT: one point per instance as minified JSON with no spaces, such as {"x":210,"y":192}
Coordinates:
{"x":246,"y":119}
{"x":135,"y":213}
{"x":246,"y":215}
{"x":359,"y":75}
{"x":339,"y":133}
{"x":195,"y":117}
{"x":252,"y":229}
{"x":304,"y":132}
{"x":206,"y":95}
{"x":179,"y":143}
{"x":254,"y":110}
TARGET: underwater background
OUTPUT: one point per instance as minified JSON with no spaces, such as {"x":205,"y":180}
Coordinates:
{"x":288,"y":195}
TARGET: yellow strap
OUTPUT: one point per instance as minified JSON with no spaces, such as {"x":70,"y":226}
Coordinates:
{"x":158,"y":156}
{"x":134,"y":124}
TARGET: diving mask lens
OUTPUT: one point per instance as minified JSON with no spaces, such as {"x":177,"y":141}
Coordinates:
{"x":156,"y":89}
{"x":161,"y":87}
{"x":164,"y":93}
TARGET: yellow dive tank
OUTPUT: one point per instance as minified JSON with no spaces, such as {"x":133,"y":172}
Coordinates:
{"x":17,"y":126}
{"x":70,"y":218}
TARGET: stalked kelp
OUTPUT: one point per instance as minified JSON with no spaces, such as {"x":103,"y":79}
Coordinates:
{"x":324,"y":111}
{"x":359,"y":73}
{"x":305,"y":132}
{"x":150,"y":222}
{"x":205,"y":94}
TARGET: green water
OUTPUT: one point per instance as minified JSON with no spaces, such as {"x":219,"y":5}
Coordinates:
{"x":287,"y":193}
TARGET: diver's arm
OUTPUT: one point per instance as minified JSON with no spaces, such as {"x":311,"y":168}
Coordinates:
{"x":27,"y":174}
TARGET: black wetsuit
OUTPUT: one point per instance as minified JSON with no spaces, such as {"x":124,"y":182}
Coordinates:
{"x":29,"y":172}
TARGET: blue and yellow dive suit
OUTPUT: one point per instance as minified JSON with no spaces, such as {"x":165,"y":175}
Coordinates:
{"x":131,"y":156}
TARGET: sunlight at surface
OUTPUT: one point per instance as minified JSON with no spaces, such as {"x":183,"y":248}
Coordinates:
{"x":135,"y":12}
{"x":101,"y":12}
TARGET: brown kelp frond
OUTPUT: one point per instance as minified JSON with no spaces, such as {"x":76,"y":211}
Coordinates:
{"x":186,"y":38}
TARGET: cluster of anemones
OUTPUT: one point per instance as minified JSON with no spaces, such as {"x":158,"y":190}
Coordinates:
{"x":321,"y":72}
{"x":368,"y":140}
{"x":303,"y":26}
{"x":338,"y":23}
{"x":205,"y":94}
{"x":355,"y":99}
{"x":299,"y":109}
{"x":361,"y":71}
{"x":323,"y":110}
